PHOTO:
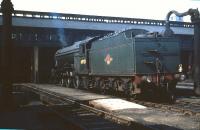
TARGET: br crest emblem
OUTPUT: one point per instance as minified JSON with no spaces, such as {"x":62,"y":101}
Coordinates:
{"x":108,"y":59}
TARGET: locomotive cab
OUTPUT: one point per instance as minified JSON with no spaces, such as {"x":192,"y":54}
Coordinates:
{"x":81,"y":59}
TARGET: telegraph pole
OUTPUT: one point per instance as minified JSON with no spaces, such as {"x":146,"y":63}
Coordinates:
{"x":6,"y":55}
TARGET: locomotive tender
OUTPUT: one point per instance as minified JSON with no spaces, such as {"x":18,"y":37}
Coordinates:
{"x":133,"y":61}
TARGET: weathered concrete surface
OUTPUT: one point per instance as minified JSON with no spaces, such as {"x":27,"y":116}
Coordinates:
{"x":76,"y":94}
{"x":161,"y":119}
{"x":114,"y":104}
{"x":147,"y":116}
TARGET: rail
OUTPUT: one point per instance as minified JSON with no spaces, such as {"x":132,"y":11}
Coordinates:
{"x":49,"y":96}
{"x":97,"y":19}
{"x":188,"y":108}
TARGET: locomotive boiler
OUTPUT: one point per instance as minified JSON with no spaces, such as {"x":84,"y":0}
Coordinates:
{"x":133,"y":61}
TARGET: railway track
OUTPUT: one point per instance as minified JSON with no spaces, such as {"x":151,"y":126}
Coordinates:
{"x":84,"y":117}
{"x":89,"y":117}
{"x":186,"y":106}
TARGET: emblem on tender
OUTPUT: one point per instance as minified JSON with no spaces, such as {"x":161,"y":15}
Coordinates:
{"x":108,"y":59}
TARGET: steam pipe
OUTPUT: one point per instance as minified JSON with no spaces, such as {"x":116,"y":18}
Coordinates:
{"x":168,"y":32}
{"x":176,"y":13}
{"x":192,"y":12}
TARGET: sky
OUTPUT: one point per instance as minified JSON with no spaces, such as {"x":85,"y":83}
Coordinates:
{"x":147,"y":9}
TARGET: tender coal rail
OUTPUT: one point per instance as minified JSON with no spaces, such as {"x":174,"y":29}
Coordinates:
{"x":81,"y":115}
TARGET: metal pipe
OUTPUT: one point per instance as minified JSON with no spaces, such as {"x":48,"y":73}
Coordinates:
{"x":176,"y":13}
{"x":192,"y":12}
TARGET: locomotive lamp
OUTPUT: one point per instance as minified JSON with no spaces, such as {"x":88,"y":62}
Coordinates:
{"x":195,"y":18}
{"x":180,"y":68}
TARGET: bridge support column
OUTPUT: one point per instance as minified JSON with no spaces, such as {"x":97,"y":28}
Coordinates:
{"x":6,"y":99}
{"x":36,"y":64}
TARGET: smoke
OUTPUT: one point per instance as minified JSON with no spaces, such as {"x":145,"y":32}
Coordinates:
{"x":62,"y":37}
{"x":60,"y":30}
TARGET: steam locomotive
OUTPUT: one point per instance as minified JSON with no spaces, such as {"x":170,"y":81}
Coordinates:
{"x":133,"y":61}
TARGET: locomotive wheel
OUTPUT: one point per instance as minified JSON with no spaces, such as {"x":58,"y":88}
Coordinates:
{"x":62,"y":82}
{"x":68,"y":82}
{"x":119,"y":85}
{"x":115,"y":87}
{"x":85,"y":82}
{"x":132,"y":90}
{"x":127,"y":89}
{"x":76,"y":82}
{"x":97,"y":85}
{"x":102,"y":87}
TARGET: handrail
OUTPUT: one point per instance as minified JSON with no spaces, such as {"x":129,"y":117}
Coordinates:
{"x":97,"y":19}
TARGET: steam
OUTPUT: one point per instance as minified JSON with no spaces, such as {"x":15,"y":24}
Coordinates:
{"x":62,"y":37}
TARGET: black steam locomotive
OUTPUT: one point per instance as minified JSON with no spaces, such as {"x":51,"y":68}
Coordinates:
{"x":134,"y":62}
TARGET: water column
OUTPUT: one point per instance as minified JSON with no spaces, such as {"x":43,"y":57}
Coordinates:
{"x":195,"y":18}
